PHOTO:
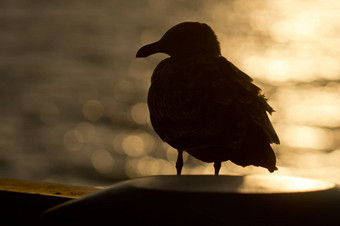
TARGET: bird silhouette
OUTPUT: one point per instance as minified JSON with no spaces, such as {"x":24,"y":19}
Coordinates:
{"x":201,"y":103}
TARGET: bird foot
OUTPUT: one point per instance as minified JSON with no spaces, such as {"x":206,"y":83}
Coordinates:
{"x":179,"y":163}
{"x":217,"y":166}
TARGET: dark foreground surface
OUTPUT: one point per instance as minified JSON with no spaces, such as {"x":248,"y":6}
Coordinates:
{"x":204,"y":200}
{"x":22,"y":201}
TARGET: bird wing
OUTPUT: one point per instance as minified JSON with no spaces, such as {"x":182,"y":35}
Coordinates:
{"x":251,"y":98}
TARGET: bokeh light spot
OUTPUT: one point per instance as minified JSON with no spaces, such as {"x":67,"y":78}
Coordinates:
{"x":131,"y":167}
{"x":87,"y":130}
{"x":102,"y":161}
{"x":134,"y":146}
{"x":93,"y":110}
{"x":73,"y":140}
{"x":124,"y":90}
{"x":140,"y":113}
{"x":117,"y":143}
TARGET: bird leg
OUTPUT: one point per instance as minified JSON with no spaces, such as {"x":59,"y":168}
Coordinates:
{"x":179,"y":163}
{"x":217,"y":166}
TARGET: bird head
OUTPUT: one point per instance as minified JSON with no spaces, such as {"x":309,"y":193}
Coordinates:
{"x":188,"y":38}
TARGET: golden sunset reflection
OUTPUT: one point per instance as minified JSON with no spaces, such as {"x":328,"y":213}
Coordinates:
{"x":316,"y":106}
{"x":306,"y":137}
{"x":281,"y":184}
{"x":301,"y":38}
{"x":73,"y":95}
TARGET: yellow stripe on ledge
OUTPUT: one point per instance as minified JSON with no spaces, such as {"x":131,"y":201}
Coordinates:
{"x":45,"y":188}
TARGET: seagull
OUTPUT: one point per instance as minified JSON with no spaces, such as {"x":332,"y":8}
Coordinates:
{"x":199,"y":102}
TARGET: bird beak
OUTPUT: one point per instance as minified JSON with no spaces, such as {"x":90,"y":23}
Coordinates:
{"x":150,"y":49}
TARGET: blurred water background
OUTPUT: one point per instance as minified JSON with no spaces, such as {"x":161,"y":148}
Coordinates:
{"x":73,"y":96}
